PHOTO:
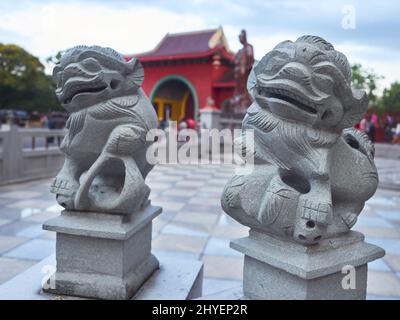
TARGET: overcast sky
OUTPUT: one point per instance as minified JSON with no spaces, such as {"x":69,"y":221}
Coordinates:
{"x":44,"y":27}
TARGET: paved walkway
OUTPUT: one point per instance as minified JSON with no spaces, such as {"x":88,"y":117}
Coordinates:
{"x":192,"y":226}
{"x":389,"y":173}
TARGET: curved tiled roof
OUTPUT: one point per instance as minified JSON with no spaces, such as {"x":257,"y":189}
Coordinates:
{"x":188,"y":43}
{"x":183,"y":43}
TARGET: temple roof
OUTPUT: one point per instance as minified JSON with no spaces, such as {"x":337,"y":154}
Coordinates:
{"x":187,"y":45}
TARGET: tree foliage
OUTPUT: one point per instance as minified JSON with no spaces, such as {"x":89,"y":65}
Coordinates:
{"x":53,"y":60}
{"x":365,"y":79}
{"x":390,"y":101}
{"x":23,"y":82}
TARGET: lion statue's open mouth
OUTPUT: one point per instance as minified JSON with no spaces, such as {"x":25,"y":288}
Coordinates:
{"x":275,"y":94}
{"x":93,"y":86}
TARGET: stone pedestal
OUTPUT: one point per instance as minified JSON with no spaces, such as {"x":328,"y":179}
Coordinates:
{"x":277,"y":269}
{"x":106,"y":256}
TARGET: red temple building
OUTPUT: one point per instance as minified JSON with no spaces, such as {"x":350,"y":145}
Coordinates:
{"x":185,"y":70}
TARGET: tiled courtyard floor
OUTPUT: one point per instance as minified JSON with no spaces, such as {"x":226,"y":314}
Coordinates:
{"x":192,"y":226}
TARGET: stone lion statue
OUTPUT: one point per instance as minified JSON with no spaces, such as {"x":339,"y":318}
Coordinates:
{"x":312,"y":171}
{"x":105,"y":148}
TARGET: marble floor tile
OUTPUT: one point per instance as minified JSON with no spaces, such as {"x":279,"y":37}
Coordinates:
{"x":168,"y":205}
{"x":220,"y":247}
{"x":31,"y":232}
{"x":8,"y":213}
{"x":14,"y":227}
{"x":179,"y":243}
{"x":230,"y":232}
{"x":159,"y":185}
{"x":389,"y":214}
{"x":212,"y":285}
{"x":4,"y":221}
{"x":184,"y":230}
{"x":179,"y":192}
{"x":391,"y":246}
{"x":209,"y":201}
{"x":9,"y":268}
{"x":378,"y":232}
{"x":20,"y":195}
{"x":379,"y":265}
{"x":383,"y":283}
{"x":393,"y":261}
{"x":8,"y":242}
{"x":374,"y":222}
{"x":42,"y":216}
{"x":192,"y":207}
{"x":222,"y":267}
{"x":190,"y":183}
{"x":175,"y":254}
{"x":49,"y":235}
{"x":31,"y":204}
{"x":206,"y":219}
{"x":383,"y":201}
{"x":36,"y":249}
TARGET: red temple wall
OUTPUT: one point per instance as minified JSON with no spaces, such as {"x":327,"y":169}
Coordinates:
{"x":199,"y":74}
{"x":222,"y":94}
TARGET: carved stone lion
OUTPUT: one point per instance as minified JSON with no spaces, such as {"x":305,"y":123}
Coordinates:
{"x":105,"y":148}
{"x":312,"y":171}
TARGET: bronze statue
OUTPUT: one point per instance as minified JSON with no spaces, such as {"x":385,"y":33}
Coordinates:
{"x":244,"y":61}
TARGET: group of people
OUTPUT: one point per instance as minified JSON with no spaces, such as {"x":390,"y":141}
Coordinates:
{"x":392,"y":130}
{"x":368,"y":124}
{"x":371,"y":123}
{"x":183,"y":124}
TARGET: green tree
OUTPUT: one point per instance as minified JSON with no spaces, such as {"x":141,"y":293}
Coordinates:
{"x":390,"y":101}
{"x":23,"y":82}
{"x":53,"y":60}
{"x":365,"y":79}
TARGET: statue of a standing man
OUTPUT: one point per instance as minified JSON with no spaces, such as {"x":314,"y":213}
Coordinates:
{"x":244,"y":61}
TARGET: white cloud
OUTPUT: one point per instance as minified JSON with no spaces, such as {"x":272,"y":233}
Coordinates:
{"x":383,"y":62}
{"x":372,"y":58}
{"x":46,"y":29}
{"x":262,"y":43}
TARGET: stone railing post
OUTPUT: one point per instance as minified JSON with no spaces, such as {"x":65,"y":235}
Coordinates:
{"x":12,"y":154}
{"x":312,"y":174}
{"x":210,"y":118}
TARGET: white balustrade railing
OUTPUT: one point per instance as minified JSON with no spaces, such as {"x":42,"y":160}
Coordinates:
{"x":27,"y":154}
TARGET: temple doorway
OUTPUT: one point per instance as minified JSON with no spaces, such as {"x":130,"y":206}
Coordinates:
{"x":174,"y":100}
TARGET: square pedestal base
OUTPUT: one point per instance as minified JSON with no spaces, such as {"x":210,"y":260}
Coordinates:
{"x":105,"y":256}
{"x":335,"y":269}
{"x":176,"y":279}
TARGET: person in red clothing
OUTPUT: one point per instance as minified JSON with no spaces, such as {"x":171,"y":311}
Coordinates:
{"x":191,"y":124}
